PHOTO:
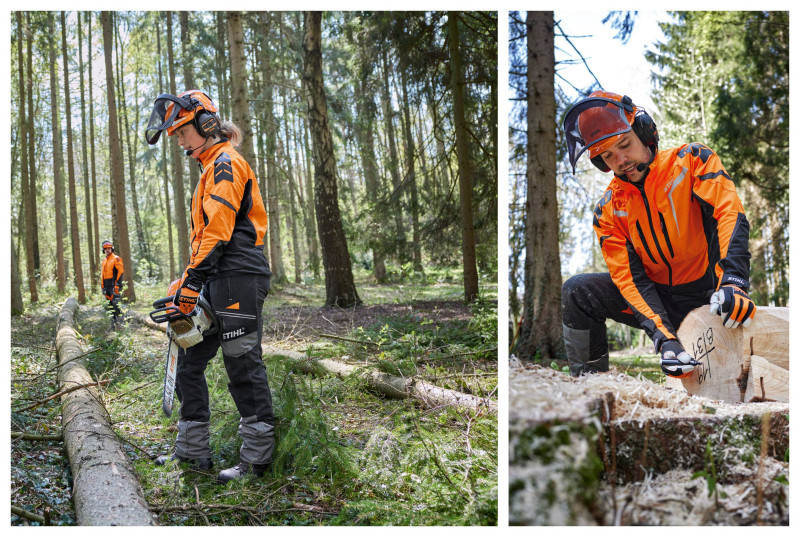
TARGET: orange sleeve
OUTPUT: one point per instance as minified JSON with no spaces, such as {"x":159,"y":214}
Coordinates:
{"x":628,"y":272}
{"x":714,"y":188}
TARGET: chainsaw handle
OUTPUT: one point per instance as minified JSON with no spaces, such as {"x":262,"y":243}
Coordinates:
{"x":164,"y":313}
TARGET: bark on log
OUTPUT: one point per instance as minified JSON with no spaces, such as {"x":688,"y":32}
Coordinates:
{"x":389,"y":385}
{"x":738,"y":363}
{"x":105,"y":491}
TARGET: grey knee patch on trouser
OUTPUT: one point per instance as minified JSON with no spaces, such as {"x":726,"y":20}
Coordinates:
{"x":258,"y":441}
{"x":193,"y":440}
{"x":577,"y":343}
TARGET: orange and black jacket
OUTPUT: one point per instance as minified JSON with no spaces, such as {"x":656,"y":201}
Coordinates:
{"x":228,"y":219}
{"x":681,"y":231}
{"x":111,"y":273}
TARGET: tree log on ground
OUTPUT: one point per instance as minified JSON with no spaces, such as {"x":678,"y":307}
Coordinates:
{"x":737,"y":365}
{"x":105,"y":491}
{"x":389,"y":385}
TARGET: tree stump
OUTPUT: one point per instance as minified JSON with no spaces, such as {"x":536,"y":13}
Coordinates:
{"x":106,"y":491}
{"x":739,"y":365}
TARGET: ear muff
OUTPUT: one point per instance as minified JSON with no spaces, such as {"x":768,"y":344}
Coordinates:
{"x":645,"y":128}
{"x":600,"y":164}
{"x":206,"y":123}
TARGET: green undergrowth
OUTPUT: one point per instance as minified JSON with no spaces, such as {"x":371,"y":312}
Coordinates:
{"x":344,"y":455}
{"x":646,"y":365}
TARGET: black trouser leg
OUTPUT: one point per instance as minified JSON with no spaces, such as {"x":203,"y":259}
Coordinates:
{"x":190,"y":379}
{"x":587,"y":300}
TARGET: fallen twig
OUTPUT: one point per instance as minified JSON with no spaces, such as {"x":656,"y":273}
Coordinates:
{"x":33,"y":517}
{"x":359,"y":341}
{"x":36,"y":437}
{"x":62,"y":392}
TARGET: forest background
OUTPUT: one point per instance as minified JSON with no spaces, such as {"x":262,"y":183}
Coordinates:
{"x":382,"y":201}
{"x":720,"y":78}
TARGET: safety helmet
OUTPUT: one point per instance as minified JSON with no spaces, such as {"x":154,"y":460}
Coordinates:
{"x":171,"y":112}
{"x":107,"y":244}
{"x":597,"y":122}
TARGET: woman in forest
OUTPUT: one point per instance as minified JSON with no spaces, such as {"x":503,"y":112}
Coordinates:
{"x":228,"y":266}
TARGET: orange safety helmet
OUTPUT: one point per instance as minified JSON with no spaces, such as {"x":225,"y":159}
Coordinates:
{"x":107,"y":243}
{"x":171,"y":112}
{"x":598,"y":121}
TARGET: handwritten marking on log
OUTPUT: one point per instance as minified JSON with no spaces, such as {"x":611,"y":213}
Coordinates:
{"x":727,"y":372}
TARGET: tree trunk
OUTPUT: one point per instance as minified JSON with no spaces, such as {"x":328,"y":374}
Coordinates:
{"x":115,"y":151}
{"x":273,"y":209}
{"x":389,"y":385}
{"x":366,"y":110}
{"x":77,"y":260}
{"x":464,"y":163}
{"x":339,"y":285}
{"x":311,"y":236}
{"x":58,"y":160}
{"x":165,"y":167}
{"x":410,"y":181}
{"x":87,"y":193}
{"x":178,"y":191}
{"x":32,"y":206}
{"x":95,"y":218}
{"x":395,"y":200}
{"x":290,"y":181}
{"x":541,"y":325}
{"x":105,"y":489}
{"x":188,"y":78}
{"x":241,"y":108}
{"x":27,"y":206}
{"x":17,"y":305}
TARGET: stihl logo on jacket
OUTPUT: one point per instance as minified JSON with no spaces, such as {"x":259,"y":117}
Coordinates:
{"x":682,"y":228}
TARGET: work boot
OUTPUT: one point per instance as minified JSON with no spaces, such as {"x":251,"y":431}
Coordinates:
{"x":241,"y":470}
{"x":201,"y":464}
{"x":258,"y":443}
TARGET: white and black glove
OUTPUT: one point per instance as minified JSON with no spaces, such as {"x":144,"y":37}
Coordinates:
{"x":733,"y":305}
{"x":675,"y":361}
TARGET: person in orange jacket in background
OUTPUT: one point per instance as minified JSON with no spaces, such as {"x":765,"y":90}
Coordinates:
{"x":672,"y":231}
{"x":228,"y":266}
{"x":111,"y":282}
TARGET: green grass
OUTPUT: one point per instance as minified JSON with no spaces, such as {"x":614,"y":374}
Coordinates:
{"x":646,"y":365}
{"x":345,"y":455}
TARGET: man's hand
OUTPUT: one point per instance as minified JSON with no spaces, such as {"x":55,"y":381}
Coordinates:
{"x":186,"y":300}
{"x":733,"y":305}
{"x":675,"y":361}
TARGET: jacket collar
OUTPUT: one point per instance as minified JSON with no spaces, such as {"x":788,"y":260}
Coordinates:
{"x":211,"y":153}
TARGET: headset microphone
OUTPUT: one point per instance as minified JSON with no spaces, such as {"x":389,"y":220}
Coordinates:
{"x":641,"y":167}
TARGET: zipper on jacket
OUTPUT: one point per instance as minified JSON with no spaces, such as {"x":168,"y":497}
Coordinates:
{"x":666,"y":234}
{"x":653,"y":230}
{"x":644,"y":242}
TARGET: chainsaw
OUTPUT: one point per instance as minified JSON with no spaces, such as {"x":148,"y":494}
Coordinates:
{"x":183,"y":331}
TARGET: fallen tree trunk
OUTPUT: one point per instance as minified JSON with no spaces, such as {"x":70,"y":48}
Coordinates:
{"x":389,"y":385}
{"x":105,"y":491}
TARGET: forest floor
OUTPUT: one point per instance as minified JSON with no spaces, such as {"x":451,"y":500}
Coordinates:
{"x":345,"y":455}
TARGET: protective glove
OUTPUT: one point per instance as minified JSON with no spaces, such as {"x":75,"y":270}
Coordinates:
{"x":186,"y":299}
{"x":733,"y":305}
{"x":116,"y":289}
{"x":675,"y":361}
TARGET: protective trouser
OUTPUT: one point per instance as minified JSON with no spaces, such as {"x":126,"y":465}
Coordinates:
{"x":236,"y":302}
{"x":113,"y":307}
{"x":193,"y":440}
{"x":587,"y":300}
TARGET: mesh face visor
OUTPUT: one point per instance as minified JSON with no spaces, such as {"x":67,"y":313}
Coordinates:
{"x":165,"y":110}
{"x":593,"y":121}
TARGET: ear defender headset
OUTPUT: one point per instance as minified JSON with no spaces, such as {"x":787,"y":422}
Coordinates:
{"x":643,"y":126}
{"x":205,"y":122}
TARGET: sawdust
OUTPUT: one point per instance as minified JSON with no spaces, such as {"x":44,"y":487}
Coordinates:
{"x":538,"y":393}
